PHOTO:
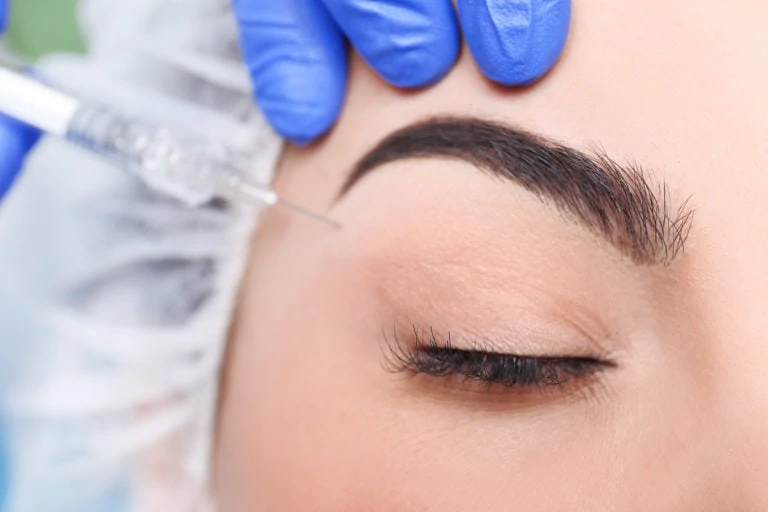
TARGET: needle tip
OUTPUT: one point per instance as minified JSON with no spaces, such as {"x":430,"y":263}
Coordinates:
{"x":308,"y":213}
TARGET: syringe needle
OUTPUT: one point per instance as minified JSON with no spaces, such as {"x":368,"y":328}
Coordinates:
{"x":262,"y":195}
{"x":182,"y":166}
{"x":308,"y":213}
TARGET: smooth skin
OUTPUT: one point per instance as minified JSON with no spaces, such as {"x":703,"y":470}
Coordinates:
{"x":296,"y":51}
{"x":311,"y":420}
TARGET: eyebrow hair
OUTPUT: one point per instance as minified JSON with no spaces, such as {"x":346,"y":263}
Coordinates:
{"x":619,"y":203}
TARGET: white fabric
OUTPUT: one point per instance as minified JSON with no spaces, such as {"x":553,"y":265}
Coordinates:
{"x":115,"y":301}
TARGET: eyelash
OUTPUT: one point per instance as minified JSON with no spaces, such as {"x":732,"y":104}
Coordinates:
{"x":440,"y":359}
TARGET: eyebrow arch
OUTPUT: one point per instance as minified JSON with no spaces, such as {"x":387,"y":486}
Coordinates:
{"x":618,"y":203}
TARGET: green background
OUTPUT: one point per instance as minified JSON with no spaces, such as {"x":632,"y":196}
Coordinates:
{"x":42,"y":26}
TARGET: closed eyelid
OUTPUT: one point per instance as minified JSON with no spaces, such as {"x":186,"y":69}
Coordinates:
{"x":523,"y":314}
{"x":427,"y":354}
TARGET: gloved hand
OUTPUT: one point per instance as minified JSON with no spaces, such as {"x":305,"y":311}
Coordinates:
{"x":15,"y":138}
{"x":296,"y":53}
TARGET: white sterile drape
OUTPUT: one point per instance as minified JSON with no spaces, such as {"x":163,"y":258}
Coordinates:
{"x":114,"y":300}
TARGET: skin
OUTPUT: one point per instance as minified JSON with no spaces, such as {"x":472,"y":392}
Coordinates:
{"x":310,"y":418}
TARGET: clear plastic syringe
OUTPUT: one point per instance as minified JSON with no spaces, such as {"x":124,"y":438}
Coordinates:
{"x":197,"y":170}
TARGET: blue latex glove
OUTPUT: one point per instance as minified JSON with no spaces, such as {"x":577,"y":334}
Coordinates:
{"x":15,"y":138}
{"x":296,"y":52}
{"x":295,"y":49}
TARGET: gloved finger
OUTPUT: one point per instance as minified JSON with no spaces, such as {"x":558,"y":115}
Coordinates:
{"x":515,"y":42}
{"x":410,"y":43}
{"x":298,"y":63}
{"x":3,"y":15}
{"x":16,"y":139}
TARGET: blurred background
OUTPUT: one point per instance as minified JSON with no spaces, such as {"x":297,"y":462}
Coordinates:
{"x":38,"y":27}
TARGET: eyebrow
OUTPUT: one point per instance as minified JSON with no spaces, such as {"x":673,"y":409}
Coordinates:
{"x":619,"y":203}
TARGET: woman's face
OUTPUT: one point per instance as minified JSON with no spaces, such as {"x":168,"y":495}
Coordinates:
{"x":552,"y":299}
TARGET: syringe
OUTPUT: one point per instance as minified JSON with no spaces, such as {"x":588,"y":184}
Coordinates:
{"x":194,"y":168}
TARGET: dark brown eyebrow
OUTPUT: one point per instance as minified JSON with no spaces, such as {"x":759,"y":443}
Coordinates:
{"x":620,"y":203}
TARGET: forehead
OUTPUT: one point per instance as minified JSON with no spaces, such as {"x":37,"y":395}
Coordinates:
{"x":676,"y":85}
{"x":680,"y":87}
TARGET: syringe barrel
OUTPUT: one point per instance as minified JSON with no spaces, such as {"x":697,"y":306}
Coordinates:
{"x":186,"y":167}
{"x":103,"y":131}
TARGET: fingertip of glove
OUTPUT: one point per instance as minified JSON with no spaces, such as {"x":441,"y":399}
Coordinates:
{"x":300,"y":117}
{"x":300,"y":130}
{"x":520,"y":74}
{"x":419,"y":58}
{"x":3,"y":15}
{"x":409,"y":43}
{"x":518,"y":43}
{"x":420,"y":52}
{"x":419,"y":66}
